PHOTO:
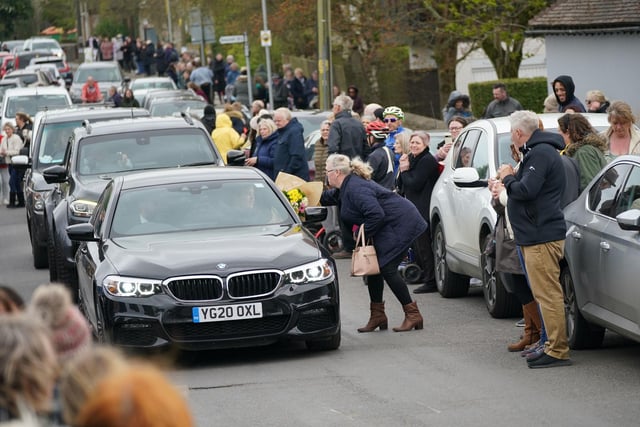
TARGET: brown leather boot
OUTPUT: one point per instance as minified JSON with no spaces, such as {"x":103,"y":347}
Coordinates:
{"x":531,"y":327}
{"x":412,"y":318}
{"x":377,"y":320}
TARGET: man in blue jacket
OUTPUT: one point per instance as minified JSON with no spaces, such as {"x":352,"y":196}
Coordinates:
{"x":290,"y":156}
{"x":535,"y":193}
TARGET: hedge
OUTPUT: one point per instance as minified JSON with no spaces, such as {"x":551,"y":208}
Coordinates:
{"x":531,"y":92}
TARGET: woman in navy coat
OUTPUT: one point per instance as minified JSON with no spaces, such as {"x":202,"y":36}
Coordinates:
{"x":390,"y":220}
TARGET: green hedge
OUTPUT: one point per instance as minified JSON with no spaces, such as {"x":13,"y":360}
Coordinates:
{"x":531,"y":93}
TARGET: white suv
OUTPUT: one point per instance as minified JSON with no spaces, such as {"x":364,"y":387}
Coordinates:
{"x":462,"y":219}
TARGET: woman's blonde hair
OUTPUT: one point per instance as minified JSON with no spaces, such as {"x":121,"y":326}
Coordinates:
{"x":622,"y":111}
{"x":403,"y":138}
{"x":82,"y":374}
{"x":28,"y":364}
{"x":269,"y":124}
{"x":348,"y":166}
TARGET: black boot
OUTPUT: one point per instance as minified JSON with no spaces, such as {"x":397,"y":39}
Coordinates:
{"x":20,"y":200}
{"x":12,"y":200}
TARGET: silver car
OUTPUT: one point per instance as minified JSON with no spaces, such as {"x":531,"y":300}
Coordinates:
{"x":600,"y":276}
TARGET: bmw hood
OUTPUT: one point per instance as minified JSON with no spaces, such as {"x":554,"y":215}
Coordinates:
{"x":219,"y":252}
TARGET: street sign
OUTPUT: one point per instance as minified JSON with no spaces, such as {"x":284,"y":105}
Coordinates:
{"x":232,"y":39}
{"x":201,"y":26}
{"x":265,"y":38}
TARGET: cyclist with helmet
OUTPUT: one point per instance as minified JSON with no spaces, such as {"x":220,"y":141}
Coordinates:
{"x":381,"y":157}
{"x":393,"y":117}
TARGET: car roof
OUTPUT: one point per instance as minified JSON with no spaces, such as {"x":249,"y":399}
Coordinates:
{"x":37,"y":90}
{"x":81,"y":112}
{"x":98,"y":65}
{"x":549,"y":120}
{"x":138,"y":124}
{"x":151,"y":79}
{"x":186,"y":174}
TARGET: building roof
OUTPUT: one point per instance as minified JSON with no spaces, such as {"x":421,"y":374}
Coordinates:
{"x":587,"y":17}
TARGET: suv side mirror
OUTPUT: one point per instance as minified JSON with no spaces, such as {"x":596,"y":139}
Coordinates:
{"x":55,"y":174}
{"x":236,"y":158}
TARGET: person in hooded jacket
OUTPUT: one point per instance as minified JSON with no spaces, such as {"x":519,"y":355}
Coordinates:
{"x":391,"y":221}
{"x":458,"y":105}
{"x":535,"y":194}
{"x":225,"y":137}
{"x":209,"y":118}
{"x":564,"y":89}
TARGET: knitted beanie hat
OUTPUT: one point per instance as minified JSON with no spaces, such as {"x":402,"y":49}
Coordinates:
{"x":70,"y":331}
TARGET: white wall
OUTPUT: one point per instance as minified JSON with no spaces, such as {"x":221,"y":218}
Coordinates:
{"x":477,"y":67}
{"x":610,"y":63}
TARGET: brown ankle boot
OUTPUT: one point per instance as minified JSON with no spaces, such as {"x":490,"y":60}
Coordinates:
{"x":412,"y":318}
{"x":531,"y":327}
{"x":377,"y":320}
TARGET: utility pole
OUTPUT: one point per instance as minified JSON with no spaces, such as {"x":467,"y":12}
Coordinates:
{"x":267,"y":52}
{"x":325,"y":68}
{"x":169,"y":28}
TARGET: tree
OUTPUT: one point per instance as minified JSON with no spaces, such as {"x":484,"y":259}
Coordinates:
{"x":11,"y":12}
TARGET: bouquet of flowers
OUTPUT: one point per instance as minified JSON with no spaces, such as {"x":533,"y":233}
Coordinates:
{"x":298,"y":200}
{"x":299,"y":192}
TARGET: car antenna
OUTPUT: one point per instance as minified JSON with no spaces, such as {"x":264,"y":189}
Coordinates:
{"x":87,"y":125}
{"x":187,"y":118}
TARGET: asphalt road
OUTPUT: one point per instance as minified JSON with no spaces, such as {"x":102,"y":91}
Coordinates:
{"x":455,"y":372}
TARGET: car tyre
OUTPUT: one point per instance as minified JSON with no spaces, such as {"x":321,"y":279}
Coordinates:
{"x":66,"y":275}
{"x":499,"y":302}
{"x":325,"y":344}
{"x":450,"y":284}
{"x":40,"y":254}
{"x":51,"y":256}
{"x":580,"y":333}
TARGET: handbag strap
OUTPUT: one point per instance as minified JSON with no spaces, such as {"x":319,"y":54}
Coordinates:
{"x":360,"y":240}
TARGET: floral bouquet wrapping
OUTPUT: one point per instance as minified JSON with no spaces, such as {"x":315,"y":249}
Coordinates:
{"x":299,"y":192}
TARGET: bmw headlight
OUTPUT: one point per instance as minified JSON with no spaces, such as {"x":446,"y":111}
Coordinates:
{"x":119,"y":286}
{"x":82,"y":208}
{"x":309,"y":273}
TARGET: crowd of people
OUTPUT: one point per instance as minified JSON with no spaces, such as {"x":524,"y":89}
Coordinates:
{"x":54,"y":375}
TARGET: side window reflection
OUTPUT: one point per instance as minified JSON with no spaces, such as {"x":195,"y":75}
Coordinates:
{"x":602,"y":196}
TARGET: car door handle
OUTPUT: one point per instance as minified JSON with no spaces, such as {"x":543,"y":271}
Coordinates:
{"x":605,"y":246}
{"x":576,"y":235}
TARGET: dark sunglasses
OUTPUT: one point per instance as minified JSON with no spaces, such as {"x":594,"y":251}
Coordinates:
{"x":391,"y":120}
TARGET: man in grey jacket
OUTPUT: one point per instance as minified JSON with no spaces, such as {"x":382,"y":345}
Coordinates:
{"x":347,"y":135}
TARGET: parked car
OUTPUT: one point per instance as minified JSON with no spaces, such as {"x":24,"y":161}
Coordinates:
{"x":107,"y":74}
{"x":51,"y":70}
{"x":31,"y":100}
{"x":63,"y":68}
{"x":168,"y":106}
{"x":32,"y":78}
{"x":234,"y":269}
{"x":22,"y":59}
{"x":600,"y":277}
{"x":310,"y":121}
{"x":99,"y":151}
{"x":6,"y":64}
{"x":462,"y":218}
{"x":153,"y":94}
{"x":6,"y":84}
{"x":142,"y":85}
{"x":44,"y":43}
{"x":51,"y":132}
{"x":8,"y":45}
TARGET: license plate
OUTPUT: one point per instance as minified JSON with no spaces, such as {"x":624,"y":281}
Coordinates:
{"x":223,"y":313}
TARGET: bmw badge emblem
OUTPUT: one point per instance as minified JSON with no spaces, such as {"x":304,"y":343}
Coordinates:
{"x":221,"y":266}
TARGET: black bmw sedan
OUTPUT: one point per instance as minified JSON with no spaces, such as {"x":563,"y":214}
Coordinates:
{"x":204,"y":258}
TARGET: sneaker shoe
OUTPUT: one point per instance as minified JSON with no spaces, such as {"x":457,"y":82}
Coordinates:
{"x":520,"y":323}
{"x":341,"y":255}
{"x":535,"y":354}
{"x":546,"y":361}
{"x":427,"y":288}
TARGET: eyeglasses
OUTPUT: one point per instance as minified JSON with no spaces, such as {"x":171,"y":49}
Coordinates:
{"x":390,"y":120}
{"x":454,"y":128}
{"x":330,"y":170}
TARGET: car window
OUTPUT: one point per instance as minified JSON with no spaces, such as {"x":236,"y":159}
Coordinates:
{"x":34,"y":103}
{"x":630,"y":194}
{"x":466,"y":146}
{"x":480,"y":159}
{"x":44,"y":45}
{"x":101,"y":209}
{"x":120,"y":152}
{"x":53,"y":143}
{"x":169,"y":108}
{"x":99,"y":74}
{"x":504,"y":149}
{"x":602,"y":194}
{"x":152,"y":85}
{"x":212,"y":205}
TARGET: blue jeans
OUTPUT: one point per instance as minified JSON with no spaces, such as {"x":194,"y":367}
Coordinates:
{"x":15,"y":179}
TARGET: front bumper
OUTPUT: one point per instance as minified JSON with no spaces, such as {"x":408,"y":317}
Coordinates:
{"x":304,"y":312}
